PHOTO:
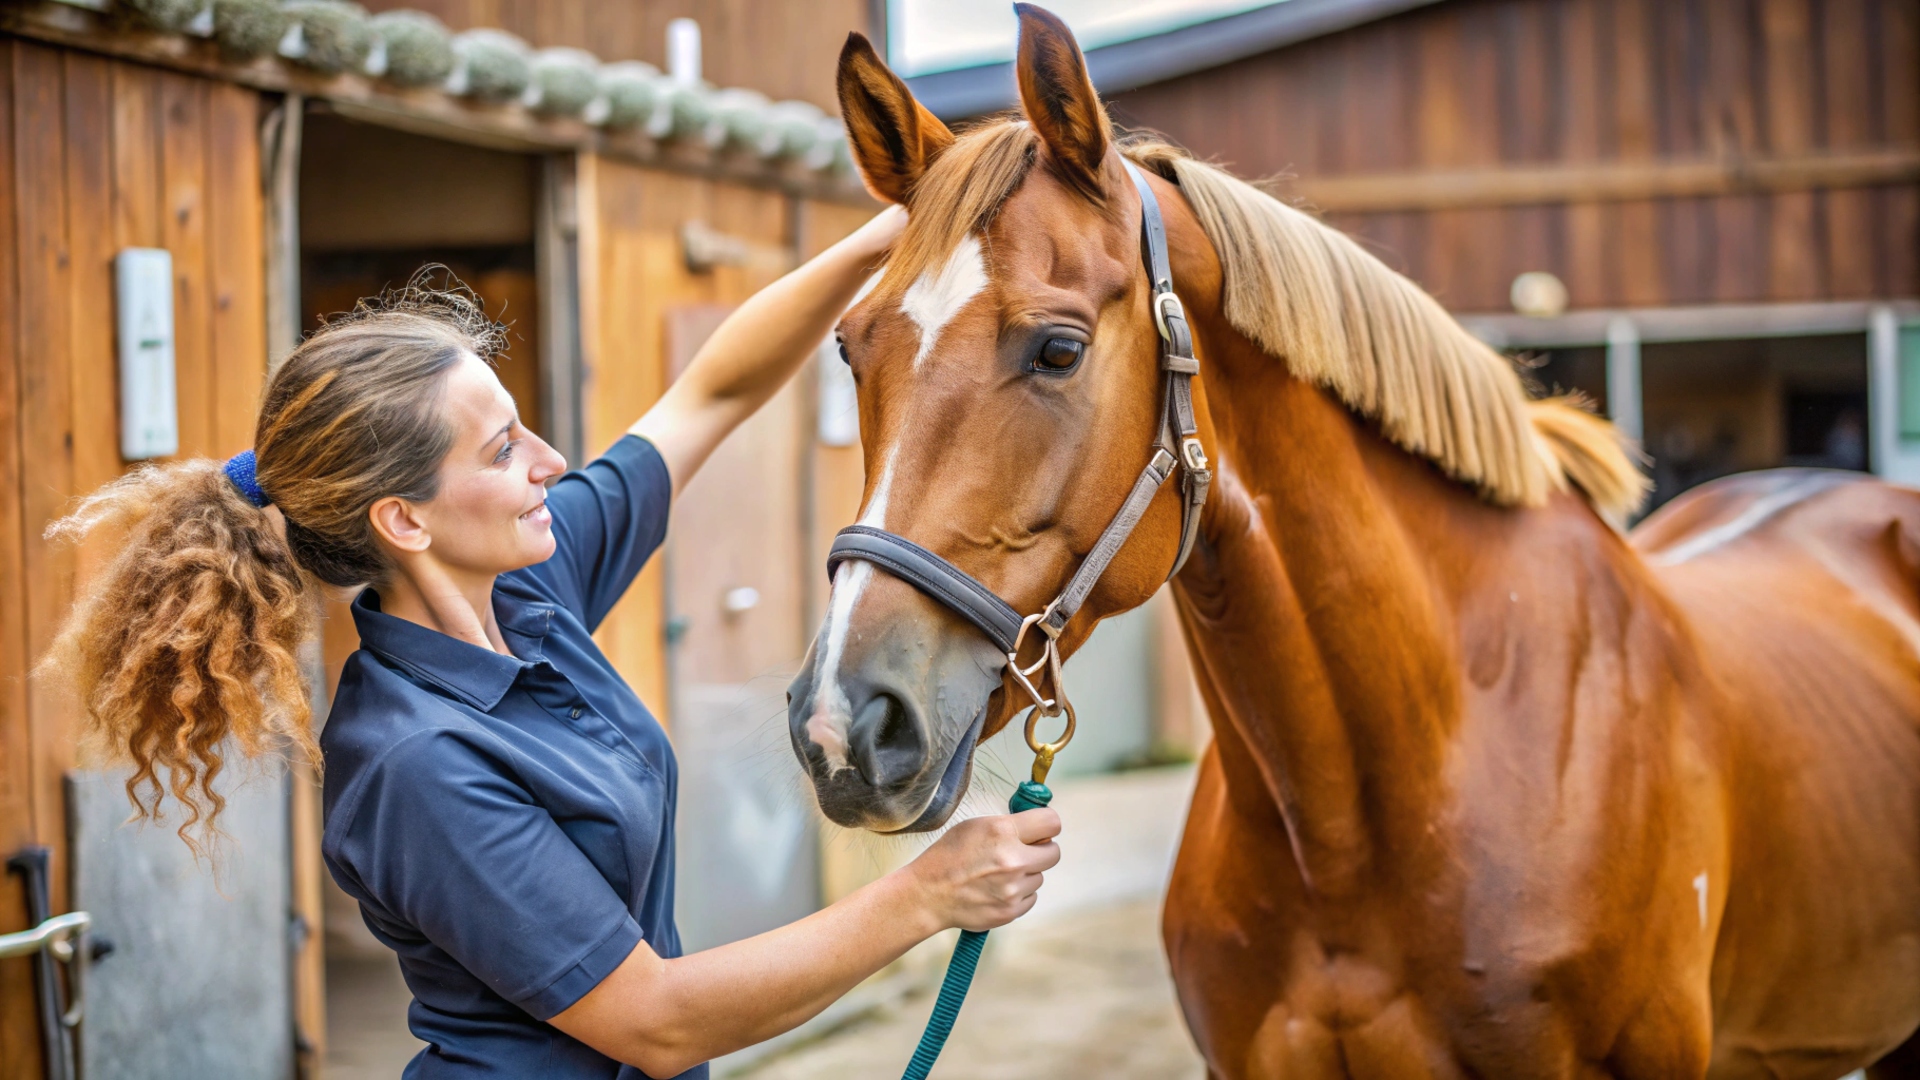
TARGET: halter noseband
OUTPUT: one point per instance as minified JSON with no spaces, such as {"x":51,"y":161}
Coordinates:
{"x":1176,"y":446}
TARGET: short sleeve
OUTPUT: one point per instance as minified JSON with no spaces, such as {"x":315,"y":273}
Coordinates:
{"x":608,"y":518}
{"x":447,"y":843}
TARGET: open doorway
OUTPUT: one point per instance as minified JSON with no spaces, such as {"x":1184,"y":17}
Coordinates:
{"x":1716,"y":407}
{"x":376,"y":205}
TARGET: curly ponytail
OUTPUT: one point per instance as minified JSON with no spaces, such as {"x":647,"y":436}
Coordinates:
{"x":189,"y":640}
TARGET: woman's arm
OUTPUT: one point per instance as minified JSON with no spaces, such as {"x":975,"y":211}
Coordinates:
{"x":753,"y":354}
{"x":666,"y":1016}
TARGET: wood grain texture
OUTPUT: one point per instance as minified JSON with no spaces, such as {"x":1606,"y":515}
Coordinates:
{"x":1646,"y":151}
{"x":633,"y":273}
{"x":783,"y":50}
{"x":19,"y":1030}
{"x":96,"y":155}
{"x":46,"y":408}
{"x":236,"y":267}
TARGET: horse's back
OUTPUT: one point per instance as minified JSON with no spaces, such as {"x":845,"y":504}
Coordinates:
{"x":1800,"y":592}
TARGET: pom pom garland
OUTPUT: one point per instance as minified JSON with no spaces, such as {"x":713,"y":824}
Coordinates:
{"x":564,"y":83}
{"x":492,"y":65}
{"x":630,"y":91}
{"x":249,"y":29}
{"x":173,"y":16}
{"x":327,"y":35}
{"x":418,"y":48}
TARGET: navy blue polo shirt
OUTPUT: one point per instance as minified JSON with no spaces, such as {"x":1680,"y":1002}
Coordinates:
{"x":506,"y":822}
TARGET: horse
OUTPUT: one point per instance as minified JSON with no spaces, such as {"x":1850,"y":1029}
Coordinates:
{"x":1497,"y":787}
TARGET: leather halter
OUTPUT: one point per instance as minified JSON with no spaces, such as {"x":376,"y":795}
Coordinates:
{"x":1175,"y":447}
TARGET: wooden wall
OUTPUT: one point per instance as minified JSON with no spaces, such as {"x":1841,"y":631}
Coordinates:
{"x":633,"y":274}
{"x":96,"y":155}
{"x":780,"y":48}
{"x":1611,"y":92}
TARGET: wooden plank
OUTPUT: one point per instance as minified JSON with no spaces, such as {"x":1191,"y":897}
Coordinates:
{"x":236,"y":266}
{"x":1629,"y":181}
{"x":183,"y":227}
{"x":136,"y":157}
{"x":90,"y":227}
{"x":1785,"y":28}
{"x":510,"y":126}
{"x":1851,"y":235}
{"x":46,"y":414}
{"x":19,"y":1025}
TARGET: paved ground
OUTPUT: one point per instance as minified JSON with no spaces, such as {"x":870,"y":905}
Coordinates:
{"x":1081,"y":996}
{"x":367,"y":1036}
{"x":1077,"y":988}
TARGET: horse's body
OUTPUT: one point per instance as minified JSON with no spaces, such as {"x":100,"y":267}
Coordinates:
{"x":1496,"y":791}
{"x":1506,"y":794}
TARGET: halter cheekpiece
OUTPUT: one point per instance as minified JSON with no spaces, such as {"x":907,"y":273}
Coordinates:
{"x":1176,"y":447}
{"x":239,"y":470}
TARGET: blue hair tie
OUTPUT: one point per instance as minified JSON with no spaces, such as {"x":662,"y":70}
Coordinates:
{"x":239,"y":469}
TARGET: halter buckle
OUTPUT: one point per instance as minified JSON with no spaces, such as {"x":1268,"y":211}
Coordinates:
{"x":1194,"y":454}
{"x":1160,"y":303}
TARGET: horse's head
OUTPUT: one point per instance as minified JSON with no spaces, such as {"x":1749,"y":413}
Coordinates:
{"x":1009,"y":384}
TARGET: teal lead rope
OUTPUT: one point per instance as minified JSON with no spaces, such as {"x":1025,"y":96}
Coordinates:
{"x":1030,"y":795}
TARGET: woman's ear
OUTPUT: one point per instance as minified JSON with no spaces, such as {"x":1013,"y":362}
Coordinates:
{"x":1058,"y":98}
{"x":893,"y":137}
{"x":398,"y":526}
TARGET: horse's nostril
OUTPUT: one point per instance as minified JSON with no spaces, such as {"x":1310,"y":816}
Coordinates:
{"x":886,"y":741}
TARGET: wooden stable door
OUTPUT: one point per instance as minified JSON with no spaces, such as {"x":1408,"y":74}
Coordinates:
{"x":99,"y":155}
{"x":736,"y":626}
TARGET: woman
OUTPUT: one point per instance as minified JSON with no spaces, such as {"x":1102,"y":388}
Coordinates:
{"x":497,"y":799}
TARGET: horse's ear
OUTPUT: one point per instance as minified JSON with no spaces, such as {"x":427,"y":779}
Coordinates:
{"x":1058,"y":97}
{"x":894,"y":138}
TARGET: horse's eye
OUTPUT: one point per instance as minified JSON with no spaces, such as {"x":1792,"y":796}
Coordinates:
{"x":1060,"y":354}
{"x":843,"y":353}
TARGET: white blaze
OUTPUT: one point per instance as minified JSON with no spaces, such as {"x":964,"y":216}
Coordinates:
{"x":827,"y":727}
{"x":933,"y":300}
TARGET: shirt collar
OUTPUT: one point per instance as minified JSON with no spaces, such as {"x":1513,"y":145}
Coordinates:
{"x":480,"y":677}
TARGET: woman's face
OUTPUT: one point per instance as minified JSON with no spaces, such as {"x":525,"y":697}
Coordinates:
{"x":491,"y":513}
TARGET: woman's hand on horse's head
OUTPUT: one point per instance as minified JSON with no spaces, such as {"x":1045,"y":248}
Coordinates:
{"x":986,"y":871}
{"x":877,"y":236}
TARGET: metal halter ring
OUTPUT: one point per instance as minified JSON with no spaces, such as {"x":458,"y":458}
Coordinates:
{"x":1042,"y":705}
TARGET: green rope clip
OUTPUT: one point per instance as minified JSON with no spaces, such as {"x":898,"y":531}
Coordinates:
{"x":1030,"y":795}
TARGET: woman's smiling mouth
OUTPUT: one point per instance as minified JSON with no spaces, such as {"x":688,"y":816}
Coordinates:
{"x":538,"y":515}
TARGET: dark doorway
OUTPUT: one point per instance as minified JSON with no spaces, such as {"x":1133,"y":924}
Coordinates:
{"x":377,"y":205}
{"x":1718,"y":407}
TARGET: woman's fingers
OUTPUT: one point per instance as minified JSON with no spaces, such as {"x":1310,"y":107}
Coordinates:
{"x":1035,"y":825}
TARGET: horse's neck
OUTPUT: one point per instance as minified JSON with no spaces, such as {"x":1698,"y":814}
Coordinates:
{"x":1339,"y":607}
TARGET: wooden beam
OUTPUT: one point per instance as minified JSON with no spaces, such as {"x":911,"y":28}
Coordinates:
{"x":426,"y":112}
{"x":1617,"y":182}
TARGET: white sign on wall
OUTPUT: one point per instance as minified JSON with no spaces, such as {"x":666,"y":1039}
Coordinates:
{"x":143,"y":294}
{"x":839,"y":398}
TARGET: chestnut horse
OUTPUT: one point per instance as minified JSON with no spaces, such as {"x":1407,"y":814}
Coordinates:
{"x":1495,"y":790}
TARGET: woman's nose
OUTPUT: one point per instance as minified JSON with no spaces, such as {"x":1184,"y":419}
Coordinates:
{"x":548,"y":464}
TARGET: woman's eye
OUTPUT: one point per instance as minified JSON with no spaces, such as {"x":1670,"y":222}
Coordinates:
{"x":506,"y":452}
{"x":1060,"y":354}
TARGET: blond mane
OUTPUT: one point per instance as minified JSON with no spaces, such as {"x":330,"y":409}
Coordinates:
{"x":1340,"y":319}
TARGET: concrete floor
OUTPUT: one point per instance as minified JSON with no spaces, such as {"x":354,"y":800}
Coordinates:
{"x":1085,"y":996}
{"x":367,"y":1036}
{"x":1077,"y":988}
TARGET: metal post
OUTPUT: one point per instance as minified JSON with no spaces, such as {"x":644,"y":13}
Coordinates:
{"x":1883,"y":389}
{"x":1623,"y":377}
{"x":556,"y":256}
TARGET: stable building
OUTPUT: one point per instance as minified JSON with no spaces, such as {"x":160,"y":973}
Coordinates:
{"x":1705,"y":216}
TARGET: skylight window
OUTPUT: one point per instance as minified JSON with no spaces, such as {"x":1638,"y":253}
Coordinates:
{"x":925,"y":36}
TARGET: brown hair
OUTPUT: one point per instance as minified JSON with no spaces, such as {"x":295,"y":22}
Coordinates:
{"x":190,"y":637}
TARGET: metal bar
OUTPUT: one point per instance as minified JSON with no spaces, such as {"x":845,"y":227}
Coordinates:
{"x":1623,"y":376}
{"x":58,"y":928}
{"x":1883,"y":389}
